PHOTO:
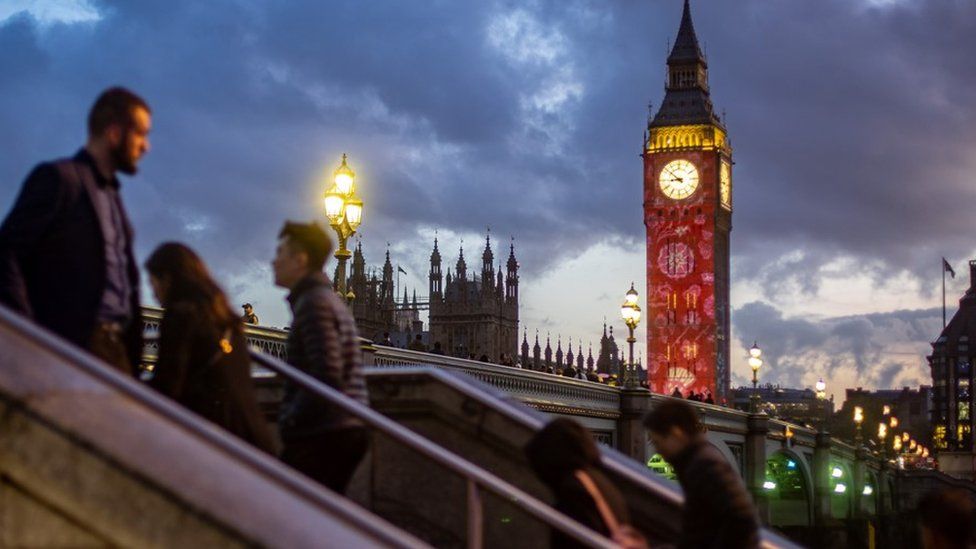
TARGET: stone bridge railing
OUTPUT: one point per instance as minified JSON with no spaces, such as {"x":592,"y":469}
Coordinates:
{"x":748,"y":441}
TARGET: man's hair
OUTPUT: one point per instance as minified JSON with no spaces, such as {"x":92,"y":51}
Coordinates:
{"x":308,"y":238}
{"x":672,"y":413}
{"x":113,"y":106}
{"x":949,"y":514}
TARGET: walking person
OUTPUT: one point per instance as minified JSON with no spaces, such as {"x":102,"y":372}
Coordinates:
{"x":203,"y":363}
{"x":66,"y":252}
{"x":565,"y":458}
{"x":718,"y":511}
{"x":320,"y":440}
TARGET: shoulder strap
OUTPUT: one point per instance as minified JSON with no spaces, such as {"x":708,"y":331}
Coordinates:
{"x":601,"y":503}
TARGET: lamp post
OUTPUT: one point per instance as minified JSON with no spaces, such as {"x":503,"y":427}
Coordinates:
{"x":882,"y":433}
{"x":822,"y":399}
{"x":858,"y":420}
{"x":631,"y":313}
{"x":892,"y":423}
{"x":345,"y":212}
{"x":755,"y":362}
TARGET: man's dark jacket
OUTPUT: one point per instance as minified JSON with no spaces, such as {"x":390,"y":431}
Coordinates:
{"x":52,"y":254}
{"x":718,"y":511}
{"x":323,"y":343}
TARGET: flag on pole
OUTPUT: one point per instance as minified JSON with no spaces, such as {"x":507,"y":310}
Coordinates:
{"x":400,"y":269}
{"x":948,"y":268}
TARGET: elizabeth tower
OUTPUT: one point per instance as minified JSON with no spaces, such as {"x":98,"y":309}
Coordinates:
{"x":688,"y":215}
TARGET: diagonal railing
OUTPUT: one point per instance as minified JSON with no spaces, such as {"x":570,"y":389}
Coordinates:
{"x":618,"y":464}
{"x":204,"y":440}
{"x":476,"y":479}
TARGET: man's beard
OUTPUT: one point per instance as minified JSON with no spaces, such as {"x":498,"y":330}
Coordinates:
{"x":123,"y":161}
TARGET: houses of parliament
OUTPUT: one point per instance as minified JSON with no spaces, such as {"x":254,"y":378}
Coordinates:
{"x":471,"y":314}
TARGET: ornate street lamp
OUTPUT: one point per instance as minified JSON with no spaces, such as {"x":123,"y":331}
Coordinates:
{"x":755,"y":362}
{"x":882,"y":433}
{"x":631,"y":313}
{"x":822,"y":399}
{"x":858,"y":420}
{"x":345,"y":212}
{"x":892,"y":423}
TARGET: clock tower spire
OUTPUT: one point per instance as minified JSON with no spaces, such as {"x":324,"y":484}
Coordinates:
{"x":688,"y":216}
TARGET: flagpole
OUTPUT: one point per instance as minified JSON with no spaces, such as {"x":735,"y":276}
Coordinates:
{"x":943,"y":294}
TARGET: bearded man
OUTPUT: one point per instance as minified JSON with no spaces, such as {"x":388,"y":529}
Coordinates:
{"x":66,"y":252}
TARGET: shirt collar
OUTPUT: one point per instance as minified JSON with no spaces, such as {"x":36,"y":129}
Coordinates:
{"x":86,"y":157}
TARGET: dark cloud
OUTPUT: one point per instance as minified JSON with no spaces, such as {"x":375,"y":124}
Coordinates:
{"x":872,"y":350}
{"x":852,"y":123}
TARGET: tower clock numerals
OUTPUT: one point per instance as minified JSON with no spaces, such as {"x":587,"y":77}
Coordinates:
{"x":725,"y":185}
{"x":679,"y":179}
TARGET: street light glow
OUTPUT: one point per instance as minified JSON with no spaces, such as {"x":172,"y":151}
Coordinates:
{"x":755,"y":351}
{"x":344,"y":178}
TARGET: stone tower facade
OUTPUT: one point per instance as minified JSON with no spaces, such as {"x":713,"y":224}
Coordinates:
{"x":474,"y":315}
{"x":688,"y":216}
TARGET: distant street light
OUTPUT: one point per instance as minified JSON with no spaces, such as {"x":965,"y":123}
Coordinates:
{"x":822,"y":398}
{"x":755,"y":362}
{"x":858,"y":420}
{"x":882,"y":433}
{"x":345,"y":212}
{"x":631,"y":313}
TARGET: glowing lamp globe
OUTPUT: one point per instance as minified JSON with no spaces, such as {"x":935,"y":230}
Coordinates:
{"x":344,"y":178}
{"x":755,"y":351}
{"x":631,"y":297}
{"x":354,"y":212}
{"x":334,"y":205}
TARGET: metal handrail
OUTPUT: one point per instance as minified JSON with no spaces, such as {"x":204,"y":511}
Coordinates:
{"x":474,"y":476}
{"x":487,"y":395}
{"x":613,"y":461}
{"x":215,"y":437}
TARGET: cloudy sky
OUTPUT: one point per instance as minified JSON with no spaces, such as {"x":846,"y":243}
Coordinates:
{"x":852,"y":123}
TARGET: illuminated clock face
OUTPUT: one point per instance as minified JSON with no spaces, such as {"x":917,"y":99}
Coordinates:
{"x":679,"y":179}
{"x":725,"y":185}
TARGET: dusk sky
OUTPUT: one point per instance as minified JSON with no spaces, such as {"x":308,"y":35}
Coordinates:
{"x":853,"y":126}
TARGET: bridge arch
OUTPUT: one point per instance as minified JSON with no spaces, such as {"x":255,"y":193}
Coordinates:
{"x":841,"y":489}
{"x":871,"y":493}
{"x":720,"y":444}
{"x":788,"y":486}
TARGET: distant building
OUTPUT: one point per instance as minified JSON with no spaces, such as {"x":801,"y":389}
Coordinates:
{"x":379,"y":313}
{"x":608,"y":361}
{"x":799,"y":406}
{"x":951,"y":364}
{"x":912,"y":407}
{"x":471,"y":315}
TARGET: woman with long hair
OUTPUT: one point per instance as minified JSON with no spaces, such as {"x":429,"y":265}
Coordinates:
{"x":203,"y":359}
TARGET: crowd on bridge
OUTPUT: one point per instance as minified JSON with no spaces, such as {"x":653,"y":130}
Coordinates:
{"x":67,"y":262}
